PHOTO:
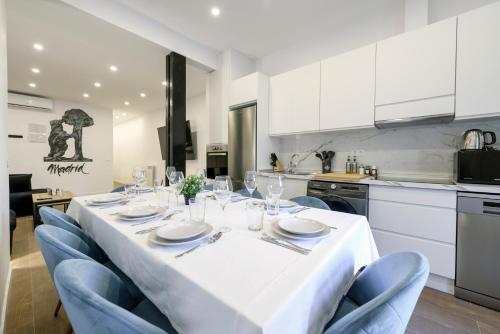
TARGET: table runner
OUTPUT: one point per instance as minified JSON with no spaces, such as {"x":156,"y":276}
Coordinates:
{"x":240,"y":284}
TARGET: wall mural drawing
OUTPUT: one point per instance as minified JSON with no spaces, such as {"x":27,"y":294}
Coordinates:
{"x":58,"y":137}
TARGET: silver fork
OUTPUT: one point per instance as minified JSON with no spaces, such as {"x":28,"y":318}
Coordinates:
{"x":212,"y":239}
{"x":168,"y":216}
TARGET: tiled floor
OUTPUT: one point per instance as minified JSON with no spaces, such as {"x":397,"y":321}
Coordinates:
{"x":32,"y":299}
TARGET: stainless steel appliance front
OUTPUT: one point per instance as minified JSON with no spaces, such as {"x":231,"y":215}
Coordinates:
{"x":478,"y":249}
{"x":341,"y":196}
{"x":242,"y":143}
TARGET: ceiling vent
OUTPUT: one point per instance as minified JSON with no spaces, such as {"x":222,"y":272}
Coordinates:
{"x":30,"y":102}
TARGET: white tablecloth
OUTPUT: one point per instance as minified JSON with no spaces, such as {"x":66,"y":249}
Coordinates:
{"x":240,"y":284}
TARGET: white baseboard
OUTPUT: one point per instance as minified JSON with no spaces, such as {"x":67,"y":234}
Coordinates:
{"x":6,"y":297}
{"x":441,"y":283}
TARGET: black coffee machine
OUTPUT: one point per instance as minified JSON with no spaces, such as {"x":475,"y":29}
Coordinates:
{"x":477,"y":161}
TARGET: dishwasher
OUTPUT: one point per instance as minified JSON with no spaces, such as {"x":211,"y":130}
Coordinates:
{"x":477,"y":276}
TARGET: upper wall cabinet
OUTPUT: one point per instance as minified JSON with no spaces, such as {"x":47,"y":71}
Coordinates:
{"x":244,"y":90}
{"x":415,"y":73}
{"x":478,"y":63}
{"x":348,"y":90}
{"x":294,"y":101}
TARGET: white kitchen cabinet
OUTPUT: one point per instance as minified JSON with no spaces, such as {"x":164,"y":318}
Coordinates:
{"x":478,"y":65}
{"x":348,"y":90}
{"x":294,"y":101}
{"x":244,"y":90}
{"x":415,"y":67}
{"x":411,"y":219}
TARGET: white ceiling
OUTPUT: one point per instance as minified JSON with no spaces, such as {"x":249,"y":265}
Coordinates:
{"x":255,"y":27}
{"x":79,"y":49}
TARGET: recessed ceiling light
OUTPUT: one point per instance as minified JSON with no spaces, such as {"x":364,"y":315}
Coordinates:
{"x":97,"y":84}
{"x":124,"y":114}
{"x":32,"y":84}
{"x":85,"y":95}
{"x":35,"y":70}
{"x":126,"y":103}
{"x":215,"y":11}
{"x":113,"y":68}
{"x":143,"y":94}
{"x":38,"y":46}
{"x":164,"y":83}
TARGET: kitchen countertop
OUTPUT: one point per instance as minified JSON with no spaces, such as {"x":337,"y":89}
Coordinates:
{"x":401,"y":181}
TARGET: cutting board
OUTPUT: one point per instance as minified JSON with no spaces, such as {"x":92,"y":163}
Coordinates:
{"x":340,"y":176}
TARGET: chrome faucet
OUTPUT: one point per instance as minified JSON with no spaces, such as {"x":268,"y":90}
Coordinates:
{"x":292,"y":164}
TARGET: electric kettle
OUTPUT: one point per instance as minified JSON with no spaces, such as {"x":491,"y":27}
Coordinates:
{"x":474,"y":139}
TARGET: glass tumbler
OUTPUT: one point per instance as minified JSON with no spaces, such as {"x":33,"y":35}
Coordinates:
{"x":255,"y":216}
{"x":197,"y":210}
{"x":162,"y":196}
{"x":273,"y":204}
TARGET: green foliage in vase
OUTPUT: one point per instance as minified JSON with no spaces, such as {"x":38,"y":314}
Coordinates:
{"x":193,"y":184}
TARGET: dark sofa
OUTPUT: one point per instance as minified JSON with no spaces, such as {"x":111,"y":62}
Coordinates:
{"x":20,"y":190}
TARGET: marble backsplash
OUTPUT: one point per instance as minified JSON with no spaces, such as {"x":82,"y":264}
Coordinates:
{"x":416,"y":151}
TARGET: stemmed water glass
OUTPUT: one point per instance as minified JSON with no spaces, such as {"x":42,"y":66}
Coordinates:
{"x":202,"y":173}
{"x":275,"y":185}
{"x":251,"y":181}
{"x":139,"y":176}
{"x":169,"y":172}
{"x":221,"y":191}
{"x":177,"y":181}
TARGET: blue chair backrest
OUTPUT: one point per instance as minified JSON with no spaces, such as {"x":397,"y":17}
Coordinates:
{"x":209,"y":187}
{"x":97,"y":301}
{"x":384,"y":295}
{"x":118,"y":190}
{"x":244,"y":192}
{"x":58,"y":245}
{"x":311,"y":202}
{"x":59,"y":219}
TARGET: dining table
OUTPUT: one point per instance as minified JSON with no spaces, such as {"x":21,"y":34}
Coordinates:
{"x":241,"y":283}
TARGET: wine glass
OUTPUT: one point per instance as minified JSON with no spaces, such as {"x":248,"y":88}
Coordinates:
{"x":139,"y":176}
{"x":177,"y":181}
{"x":251,"y":181}
{"x":169,"y":172}
{"x":221,"y":191}
{"x":203,"y":174}
{"x":229,"y":183}
{"x":275,"y":185}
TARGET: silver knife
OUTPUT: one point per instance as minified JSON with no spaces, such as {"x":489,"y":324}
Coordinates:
{"x":265,"y":235}
{"x":274,"y":242}
{"x":212,"y":239}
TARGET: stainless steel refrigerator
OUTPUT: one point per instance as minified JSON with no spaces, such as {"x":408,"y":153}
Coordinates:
{"x":242,"y":154}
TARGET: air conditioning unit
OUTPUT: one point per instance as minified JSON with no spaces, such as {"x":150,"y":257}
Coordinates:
{"x":30,"y":102}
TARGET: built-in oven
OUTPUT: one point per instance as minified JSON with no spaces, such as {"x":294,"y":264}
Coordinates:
{"x":217,"y":160}
{"x":341,"y":196}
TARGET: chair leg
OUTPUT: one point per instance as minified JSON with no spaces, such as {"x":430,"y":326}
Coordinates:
{"x":58,"y":307}
{"x":69,"y":329}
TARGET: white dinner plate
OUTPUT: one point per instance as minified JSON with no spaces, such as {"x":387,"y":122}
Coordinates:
{"x":276,"y":229}
{"x":284,"y":204}
{"x":163,"y":242}
{"x":181,"y":231}
{"x":106,"y":199}
{"x":301,"y":226}
{"x":144,"y":189}
{"x":141,"y":212}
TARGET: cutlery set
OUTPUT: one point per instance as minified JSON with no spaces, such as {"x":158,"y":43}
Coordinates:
{"x":211,"y":240}
{"x":285,"y":244}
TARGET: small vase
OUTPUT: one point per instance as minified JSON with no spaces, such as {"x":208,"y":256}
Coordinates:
{"x":187,"y":197}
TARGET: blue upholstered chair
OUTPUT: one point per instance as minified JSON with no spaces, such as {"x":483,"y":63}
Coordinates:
{"x":209,"y":187}
{"x":97,"y":301}
{"x":381,"y":300}
{"x":244,"y":192}
{"x":311,"y":202}
{"x":54,"y":217}
{"x":118,"y":190}
{"x":58,"y":244}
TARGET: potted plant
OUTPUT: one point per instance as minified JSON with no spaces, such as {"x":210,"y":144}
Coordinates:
{"x":193,"y":184}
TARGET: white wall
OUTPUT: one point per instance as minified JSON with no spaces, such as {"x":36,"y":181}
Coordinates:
{"x":136,"y":141}
{"x":4,"y":183}
{"x":367,"y":27}
{"x":27,"y":157}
